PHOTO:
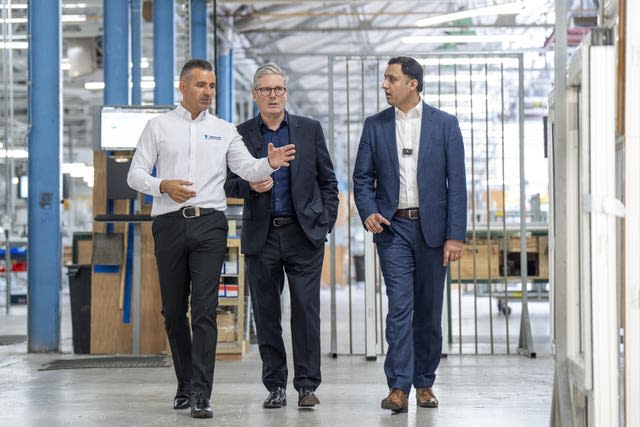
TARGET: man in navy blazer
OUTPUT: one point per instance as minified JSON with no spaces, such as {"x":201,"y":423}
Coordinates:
{"x":285,"y":221}
{"x":410,"y":191}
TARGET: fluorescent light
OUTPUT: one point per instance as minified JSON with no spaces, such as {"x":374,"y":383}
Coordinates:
{"x":14,"y":6}
{"x":65,"y":6}
{"x":74,"y":18}
{"x":94,"y":85}
{"x":469,"y":61}
{"x":486,"y":38}
{"x":500,"y":9}
{"x":461,"y":77}
{"x":14,"y":45}
{"x":144,"y":84}
{"x":144,"y":63}
{"x":15,"y":154}
{"x":13,"y":21}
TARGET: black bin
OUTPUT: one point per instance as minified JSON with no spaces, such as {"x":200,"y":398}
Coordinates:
{"x":358,"y":260}
{"x":80,"y":296}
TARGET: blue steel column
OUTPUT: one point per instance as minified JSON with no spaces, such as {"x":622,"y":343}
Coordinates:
{"x":163,"y":50}
{"x":45,"y":153}
{"x":224,"y":86}
{"x":116,"y":52}
{"x":116,"y":59}
{"x":136,"y":51}
{"x":199,"y":29}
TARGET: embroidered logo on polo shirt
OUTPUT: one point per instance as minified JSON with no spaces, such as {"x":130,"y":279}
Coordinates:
{"x":212,"y":137}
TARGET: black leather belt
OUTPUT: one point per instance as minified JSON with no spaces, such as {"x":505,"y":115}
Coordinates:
{"x":281,"y":221}
{"x":191,"y":212}
{"x":410,"y":213}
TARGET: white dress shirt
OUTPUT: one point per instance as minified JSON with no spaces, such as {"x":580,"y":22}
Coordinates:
{"x":408,"y":137}
{"x":196,"y":150}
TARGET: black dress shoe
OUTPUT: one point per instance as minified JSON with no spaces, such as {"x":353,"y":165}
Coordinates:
{"x":182,"y":400}
{"x":277,"y":398}
{"x":200,"y":407}
{"x":306,"y":397}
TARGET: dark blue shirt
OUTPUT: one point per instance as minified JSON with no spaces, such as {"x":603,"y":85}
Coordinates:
{"x":281,"y":203}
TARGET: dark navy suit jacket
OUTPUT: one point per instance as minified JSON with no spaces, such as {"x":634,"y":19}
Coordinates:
{"x":314,"y":187}
{"x":442,"y":186}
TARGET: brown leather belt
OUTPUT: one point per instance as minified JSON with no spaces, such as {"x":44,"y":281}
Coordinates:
{"x":410,"y":213}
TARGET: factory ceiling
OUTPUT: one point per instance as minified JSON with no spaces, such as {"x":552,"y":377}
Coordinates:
{"x":299,"y":35}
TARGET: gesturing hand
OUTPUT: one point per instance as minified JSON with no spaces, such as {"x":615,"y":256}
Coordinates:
{"x":281,"y":156}
{"x":177,"y":189}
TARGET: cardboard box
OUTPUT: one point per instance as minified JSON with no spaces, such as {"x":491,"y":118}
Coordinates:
{"x":514,"y":244}
{"x":226,"y":326}
{"x":486,"y":261}
{"x":543,"y":257}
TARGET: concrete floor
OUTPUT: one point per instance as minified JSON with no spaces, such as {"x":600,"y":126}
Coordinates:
{"x":481,"y":390}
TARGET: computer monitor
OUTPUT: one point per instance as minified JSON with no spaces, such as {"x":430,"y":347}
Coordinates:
{"x":120,"y":126}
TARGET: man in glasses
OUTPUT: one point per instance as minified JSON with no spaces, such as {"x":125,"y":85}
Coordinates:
{"x":191,"y":150}
{"x":285,"y":221}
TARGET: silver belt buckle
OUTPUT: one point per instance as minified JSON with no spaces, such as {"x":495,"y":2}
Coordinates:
{"x":186,"y":212}
{"x":413,"y":213}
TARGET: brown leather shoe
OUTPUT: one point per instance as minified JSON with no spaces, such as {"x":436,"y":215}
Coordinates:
{"x":396,"y":401}
{"x":425,"y":398}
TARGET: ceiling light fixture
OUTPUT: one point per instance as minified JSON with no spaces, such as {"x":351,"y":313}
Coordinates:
{"x":461,"y":60}
{"x":484,"y":38}
{"x":13,"y":20}
{"x":14,"y":45}
{"x":14,"y":154}
{"x":145,"y":84}
{"x":14,"y":6}
{"x":512,"y":8}
{"x":74,"y":18}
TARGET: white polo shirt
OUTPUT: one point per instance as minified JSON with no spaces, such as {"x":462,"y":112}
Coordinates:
{"x":196,"y":150}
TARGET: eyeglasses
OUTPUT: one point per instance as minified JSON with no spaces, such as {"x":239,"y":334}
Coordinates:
{"x":266,"y":91}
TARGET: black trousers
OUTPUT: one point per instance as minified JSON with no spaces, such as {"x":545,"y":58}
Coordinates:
{"x":287,"y":250}
{"x":189,"y":254}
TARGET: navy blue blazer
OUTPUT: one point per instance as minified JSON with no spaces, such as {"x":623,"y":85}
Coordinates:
{"x":442,"y":187}
{"x":314,"y":187}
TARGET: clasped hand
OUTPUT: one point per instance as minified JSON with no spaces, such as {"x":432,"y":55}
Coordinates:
{"x":177,"y":189}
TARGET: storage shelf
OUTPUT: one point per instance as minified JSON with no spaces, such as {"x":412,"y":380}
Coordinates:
{"x":234,"y":305}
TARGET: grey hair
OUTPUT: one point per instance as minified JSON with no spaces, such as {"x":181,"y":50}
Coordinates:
{"x":269,"y":69}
